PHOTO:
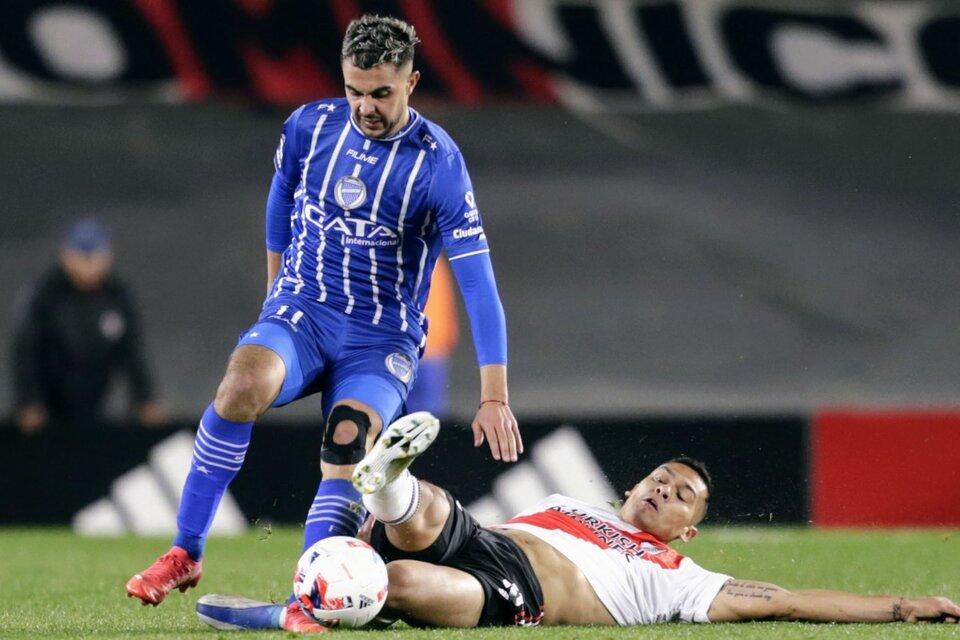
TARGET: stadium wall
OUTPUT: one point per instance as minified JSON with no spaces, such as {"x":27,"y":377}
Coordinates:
{"x":697,"y":207}
{"x":847,"y":468}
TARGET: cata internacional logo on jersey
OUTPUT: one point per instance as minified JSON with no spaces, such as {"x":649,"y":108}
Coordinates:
{"x":362,"y":233}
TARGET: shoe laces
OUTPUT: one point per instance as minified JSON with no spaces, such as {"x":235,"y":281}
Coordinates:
{"x":173,"y":558}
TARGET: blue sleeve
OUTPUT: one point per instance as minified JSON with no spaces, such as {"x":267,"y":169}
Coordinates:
{"x":286,"y":161}
{"x":279,"y":205}
{"x":474,"y":274}
{"x":458,"y":217}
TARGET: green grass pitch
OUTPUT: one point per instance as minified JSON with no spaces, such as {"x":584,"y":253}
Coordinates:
{"x":54,"y":584}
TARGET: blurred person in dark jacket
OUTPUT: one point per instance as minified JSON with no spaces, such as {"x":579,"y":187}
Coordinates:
{"x":76,"y":333}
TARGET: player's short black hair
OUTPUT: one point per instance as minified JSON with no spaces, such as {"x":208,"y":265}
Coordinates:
{"x":701,"y":470}
{"x":373,"y":40}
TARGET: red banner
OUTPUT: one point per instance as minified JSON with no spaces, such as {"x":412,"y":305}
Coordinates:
{"x":591,"y":55}
{"x":893,"y":468}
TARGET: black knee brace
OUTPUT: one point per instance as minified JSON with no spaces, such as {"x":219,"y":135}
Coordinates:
{"x":353,"y":451}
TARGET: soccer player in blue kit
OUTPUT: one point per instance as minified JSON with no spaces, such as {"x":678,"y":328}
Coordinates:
{"x":366,"y":194}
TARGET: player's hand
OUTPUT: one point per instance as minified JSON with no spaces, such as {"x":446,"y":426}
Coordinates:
{"x":929,"y":610}
{"x":496,"y":424}
{"x":366,"y":529}
{"x":31,"y":419}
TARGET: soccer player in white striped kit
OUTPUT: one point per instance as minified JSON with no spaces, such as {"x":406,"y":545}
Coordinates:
{"x":366,"y":194}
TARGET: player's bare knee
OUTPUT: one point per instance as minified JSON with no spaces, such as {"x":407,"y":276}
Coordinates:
{"x":253,"y":379}
{"x":243,"y":395}
{"x":345,"y":432}
{"x":402,"y":578}
{"x":345,"y":436}
{"x":434,"y":506}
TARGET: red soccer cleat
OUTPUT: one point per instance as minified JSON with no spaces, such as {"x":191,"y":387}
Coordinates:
{"x":294,"y":619}
{"x":174,"y":569}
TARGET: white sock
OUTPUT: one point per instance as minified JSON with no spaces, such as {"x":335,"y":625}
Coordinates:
{"x":396,"y":502}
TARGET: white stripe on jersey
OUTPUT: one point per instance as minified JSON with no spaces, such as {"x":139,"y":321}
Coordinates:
{"x":298,"y":279}
{"x":313,"y":147}
{"x":427,"y":219}
{"x":320,"y":247}
{"x":376,"y":287}
{"x":403,"y":214}
{"x":346,"y":281}
{"x":374,"y":210}
{"x":320,"y":196}
{"x":375,"y":207}
{"x":467,"y":255}
{"x":333,"y":161}
{"x":420,"y":270}
{"x":301,"y":239}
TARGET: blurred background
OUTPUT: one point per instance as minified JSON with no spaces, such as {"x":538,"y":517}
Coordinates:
{"x":735,"y":212}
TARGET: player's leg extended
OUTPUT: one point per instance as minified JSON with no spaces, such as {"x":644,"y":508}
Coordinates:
{"x":230,"y":612}
{"x":422,"y":591}
{"x":253,"y":379}
{"x":392,"y":493}
{"x":433,"y":595}
{"x":363,"y":393}
{"x":337,"y":510}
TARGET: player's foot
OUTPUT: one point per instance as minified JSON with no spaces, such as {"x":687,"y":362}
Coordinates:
{"x":173,"y":570}
{"x":397,"y":447}
{"x":294,"y":619}
{"x":230,"y":613}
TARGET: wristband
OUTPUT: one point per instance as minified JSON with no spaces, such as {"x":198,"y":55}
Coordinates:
{"x":483,"y":402}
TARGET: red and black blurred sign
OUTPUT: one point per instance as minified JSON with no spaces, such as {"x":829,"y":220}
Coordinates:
{"x":625,"y":55}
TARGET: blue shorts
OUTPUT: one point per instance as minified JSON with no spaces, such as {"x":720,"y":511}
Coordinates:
{"x":325,"y":350}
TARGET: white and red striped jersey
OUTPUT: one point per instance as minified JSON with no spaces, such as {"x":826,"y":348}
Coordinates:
{"x":639,"y":579}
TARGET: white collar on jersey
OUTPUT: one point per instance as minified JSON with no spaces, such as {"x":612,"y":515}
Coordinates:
{"x":414,"y":119}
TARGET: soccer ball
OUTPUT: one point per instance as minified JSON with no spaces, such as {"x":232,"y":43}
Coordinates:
{"x":341,"y":581}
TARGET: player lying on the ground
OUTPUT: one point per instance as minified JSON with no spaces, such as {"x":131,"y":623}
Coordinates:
{"x":566,"y":562}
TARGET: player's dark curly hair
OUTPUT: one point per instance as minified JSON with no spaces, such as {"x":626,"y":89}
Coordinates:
{"x":701,"y":470}
{"x":374,"y":40}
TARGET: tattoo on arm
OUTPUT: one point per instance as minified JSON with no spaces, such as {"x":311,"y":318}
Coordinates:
{"x":898,"y":610}
{"x":747,"y":590}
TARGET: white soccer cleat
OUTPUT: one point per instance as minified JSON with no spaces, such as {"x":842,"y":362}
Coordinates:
{"x":398,"y":446}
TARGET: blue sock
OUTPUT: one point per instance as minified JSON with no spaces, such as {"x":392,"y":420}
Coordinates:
{"x":336,"y":511}
{"x":218,"y":454}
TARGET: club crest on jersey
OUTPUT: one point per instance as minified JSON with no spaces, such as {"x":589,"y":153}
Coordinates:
{"x":401,"y":366}
{"x":350,"y":192}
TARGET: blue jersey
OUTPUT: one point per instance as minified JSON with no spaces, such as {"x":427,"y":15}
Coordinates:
{"x":369,"y":216}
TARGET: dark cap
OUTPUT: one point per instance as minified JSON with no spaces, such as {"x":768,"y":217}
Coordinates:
{"x":88,"y":236}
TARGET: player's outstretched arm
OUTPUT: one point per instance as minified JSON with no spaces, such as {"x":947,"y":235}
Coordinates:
{"x":494,"y":421}
{"x":745,"y":600}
